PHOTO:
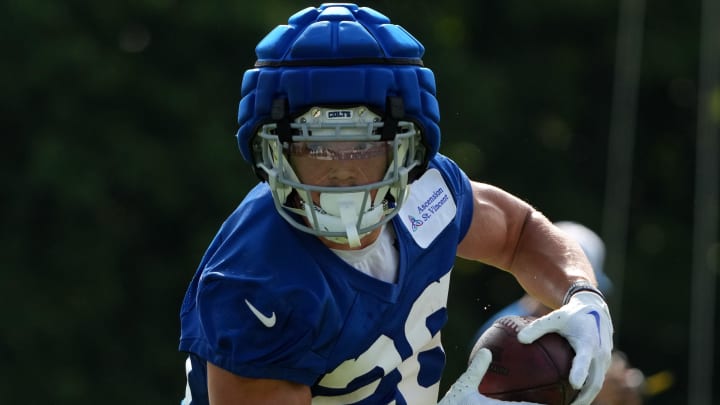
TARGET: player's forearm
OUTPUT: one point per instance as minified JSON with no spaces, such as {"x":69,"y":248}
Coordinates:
{"x":225,"y":388}
{"x":546,"y":262}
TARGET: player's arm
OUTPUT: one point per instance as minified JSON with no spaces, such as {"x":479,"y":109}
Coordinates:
{"x":226,"y":388}
{"x":511,"y":235}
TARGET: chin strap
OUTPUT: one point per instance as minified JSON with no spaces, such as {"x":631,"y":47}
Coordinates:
{"x":340,"y":212}
{"x":349,"y":218}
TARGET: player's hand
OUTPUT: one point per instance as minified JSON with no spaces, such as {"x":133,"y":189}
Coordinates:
{"x":465,"y":390}
{"x":585,"y":322}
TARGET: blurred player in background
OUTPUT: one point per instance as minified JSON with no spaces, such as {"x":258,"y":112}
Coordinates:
{"x":623,"y":384}
{"x":329,"y":282}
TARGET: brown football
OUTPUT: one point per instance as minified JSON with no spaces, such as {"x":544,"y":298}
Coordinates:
{"x":536,"y":372}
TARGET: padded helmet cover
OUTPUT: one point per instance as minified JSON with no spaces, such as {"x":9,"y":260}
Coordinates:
{"x":338,"y":54}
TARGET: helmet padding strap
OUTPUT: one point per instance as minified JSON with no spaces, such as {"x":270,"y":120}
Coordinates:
{"x":394,"y":112}
{"x":280,"y":115}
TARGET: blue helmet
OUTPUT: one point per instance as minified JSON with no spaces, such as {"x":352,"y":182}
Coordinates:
{"x":338,"y":54}
{"x":343,"y":73}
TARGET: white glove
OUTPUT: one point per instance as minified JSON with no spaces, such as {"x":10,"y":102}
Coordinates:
{"x":465,"y":390}
{"x":585,"y":322}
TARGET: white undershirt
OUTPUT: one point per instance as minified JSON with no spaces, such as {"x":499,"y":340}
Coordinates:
{"x":378,"y":260}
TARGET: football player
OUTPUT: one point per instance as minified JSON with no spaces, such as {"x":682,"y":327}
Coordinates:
{"x":328,"y":284}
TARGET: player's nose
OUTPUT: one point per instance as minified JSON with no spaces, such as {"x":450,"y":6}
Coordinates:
{"x":343,"y":177}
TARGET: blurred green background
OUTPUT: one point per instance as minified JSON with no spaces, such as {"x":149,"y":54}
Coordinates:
{"x":119,"y":163}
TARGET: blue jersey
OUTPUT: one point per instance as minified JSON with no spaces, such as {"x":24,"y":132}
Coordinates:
{"x":269,"y":301}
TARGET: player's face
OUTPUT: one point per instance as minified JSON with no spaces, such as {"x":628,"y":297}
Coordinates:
{"x":341,"y":163}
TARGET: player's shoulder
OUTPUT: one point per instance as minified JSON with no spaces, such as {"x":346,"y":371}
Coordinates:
{"x":263,"y":255}
{"x":253,"y":295}
{"x":254,"y":230}
{"x":443,"y":163}
{"x":253,"y":210}
{"x":264,"y":283}
{"x":257,"y":324}
{"x":451,"y":172}
{"x":259,"y":310}
{"x":257,"y":253}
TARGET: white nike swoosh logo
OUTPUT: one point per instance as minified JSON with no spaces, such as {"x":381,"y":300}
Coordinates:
{"x":268,"y":321}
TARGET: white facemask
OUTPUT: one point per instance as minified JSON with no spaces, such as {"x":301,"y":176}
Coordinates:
{"x":341,"y":215}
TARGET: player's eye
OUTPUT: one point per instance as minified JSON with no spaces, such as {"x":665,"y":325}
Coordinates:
{"x":348,"y":150}
{"x":317,"y":149}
